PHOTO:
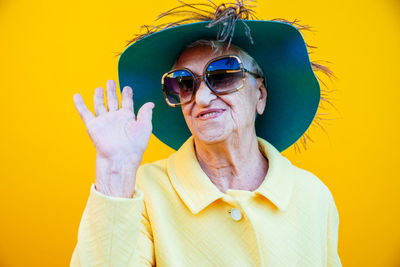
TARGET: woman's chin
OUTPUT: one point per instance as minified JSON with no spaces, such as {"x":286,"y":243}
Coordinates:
{"x":211,"y":136}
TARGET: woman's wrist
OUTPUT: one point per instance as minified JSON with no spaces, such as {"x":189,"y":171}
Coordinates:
{"x":116,"y":177}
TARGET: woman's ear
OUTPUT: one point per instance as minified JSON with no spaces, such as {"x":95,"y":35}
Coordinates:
{"x":262,"y":96}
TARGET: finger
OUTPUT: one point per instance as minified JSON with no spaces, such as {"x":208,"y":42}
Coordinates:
{"x":112,"y":99}
{"x":145,"y":112}
{"x":99,"y":107}
{"x":127,"y":100}
{"x":83,"y":111}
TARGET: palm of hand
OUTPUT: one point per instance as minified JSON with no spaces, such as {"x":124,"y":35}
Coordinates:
{"x":116,"y":133}
{"x":119,"y":134}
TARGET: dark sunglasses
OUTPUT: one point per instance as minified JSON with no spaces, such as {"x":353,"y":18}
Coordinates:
{"x":223,"y":75}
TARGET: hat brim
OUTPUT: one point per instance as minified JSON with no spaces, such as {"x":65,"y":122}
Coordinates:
{"x":293,"y":91}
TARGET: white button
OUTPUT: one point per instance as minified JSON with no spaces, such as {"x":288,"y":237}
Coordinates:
{"x":236,"y":215}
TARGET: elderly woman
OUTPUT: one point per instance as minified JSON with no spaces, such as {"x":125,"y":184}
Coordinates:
{"x":226,"y":197}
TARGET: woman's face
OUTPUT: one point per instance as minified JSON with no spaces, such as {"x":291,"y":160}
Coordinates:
{"x":215,"y":118}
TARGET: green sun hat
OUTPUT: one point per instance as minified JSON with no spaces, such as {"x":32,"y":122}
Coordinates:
{"x":293,"y":91}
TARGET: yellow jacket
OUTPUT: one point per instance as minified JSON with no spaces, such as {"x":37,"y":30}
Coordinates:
{"x":178,"y":217}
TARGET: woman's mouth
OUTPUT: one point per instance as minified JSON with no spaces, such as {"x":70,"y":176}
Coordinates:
{"x":210,"y":114}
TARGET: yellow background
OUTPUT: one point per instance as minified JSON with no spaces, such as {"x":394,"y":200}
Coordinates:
{"x":53,"y":49}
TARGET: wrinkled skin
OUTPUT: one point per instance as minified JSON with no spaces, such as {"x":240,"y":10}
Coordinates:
{"x":226,"y":143}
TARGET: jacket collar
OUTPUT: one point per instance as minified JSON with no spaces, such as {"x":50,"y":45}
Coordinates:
{"x":197,"y":191}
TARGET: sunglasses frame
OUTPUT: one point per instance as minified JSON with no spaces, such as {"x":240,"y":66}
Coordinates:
{"x":204,"y":78}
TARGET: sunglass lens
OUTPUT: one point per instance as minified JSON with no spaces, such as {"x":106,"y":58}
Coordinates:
{"x":224,"y":74}
{"x":178,"y":86}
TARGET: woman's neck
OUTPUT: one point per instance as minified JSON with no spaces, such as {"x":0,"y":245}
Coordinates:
{"x":235,"y":163}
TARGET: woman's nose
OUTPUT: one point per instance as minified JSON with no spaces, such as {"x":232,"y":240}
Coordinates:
{"x":204,"y":95}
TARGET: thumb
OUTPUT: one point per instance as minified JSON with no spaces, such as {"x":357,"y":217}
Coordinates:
{"x":145,"y":112}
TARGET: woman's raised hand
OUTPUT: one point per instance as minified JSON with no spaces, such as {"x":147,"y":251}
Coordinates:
{"x":119,"y":137}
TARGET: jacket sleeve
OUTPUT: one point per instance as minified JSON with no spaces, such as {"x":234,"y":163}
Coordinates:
{"x":114,"y":232}
{"x":333,"y":233}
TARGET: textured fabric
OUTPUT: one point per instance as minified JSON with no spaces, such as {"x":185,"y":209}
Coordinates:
{"x":178,"y":217}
